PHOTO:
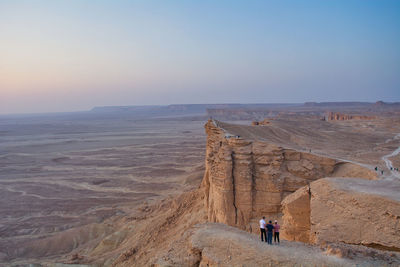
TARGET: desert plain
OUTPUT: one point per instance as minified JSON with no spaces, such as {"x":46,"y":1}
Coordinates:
{"x":68,"y":171}
{"x":117,"y":187}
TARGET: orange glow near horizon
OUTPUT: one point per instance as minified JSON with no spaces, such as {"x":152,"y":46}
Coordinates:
{"x":73,"y":55}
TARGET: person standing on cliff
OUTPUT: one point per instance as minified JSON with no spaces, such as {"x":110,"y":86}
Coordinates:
{"x":270,"y":228}
{"x":276,"y":231}
{"x":262,"y":229}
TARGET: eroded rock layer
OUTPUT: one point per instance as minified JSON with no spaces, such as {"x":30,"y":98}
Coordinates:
{"x":336,"y":116}
{"x":351,"y":211}
{"x":296,"y":215}
{"x":246,"y":179}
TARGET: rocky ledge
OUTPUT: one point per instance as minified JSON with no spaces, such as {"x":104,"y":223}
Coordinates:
{"x":351,"y":211}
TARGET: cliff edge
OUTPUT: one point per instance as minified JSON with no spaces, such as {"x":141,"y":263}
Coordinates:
{"x":350,"y":211}
{"x":247,"y":178}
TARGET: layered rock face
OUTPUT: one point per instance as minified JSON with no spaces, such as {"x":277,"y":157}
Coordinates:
{"x":352,"y":211}
{"x":247,"y":179}
{"x":336,"y":116}
{"x":296,"y":215}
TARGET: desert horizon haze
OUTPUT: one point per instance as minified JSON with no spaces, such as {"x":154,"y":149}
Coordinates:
{"x":74,"y":55}
{"x":161,"y":132}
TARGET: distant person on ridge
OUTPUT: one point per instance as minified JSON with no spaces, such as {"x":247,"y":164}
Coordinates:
{"x":270,"y":228}
{"x":262,"y":229}
{"x":276,"y":231}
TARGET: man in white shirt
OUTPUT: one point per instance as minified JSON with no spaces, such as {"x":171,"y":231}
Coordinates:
{"x":262,"y":229}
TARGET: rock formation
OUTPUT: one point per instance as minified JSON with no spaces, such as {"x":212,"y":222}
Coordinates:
{"x":336,"y":116}
{"x":263,"y":122}
{"x":351,"y":211}
{"x":246,"y":179}
{"x":296,"y":216}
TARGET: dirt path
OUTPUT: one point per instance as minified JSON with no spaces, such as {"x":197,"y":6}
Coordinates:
{"x":222,"y":245}
{"x":393,"y":174}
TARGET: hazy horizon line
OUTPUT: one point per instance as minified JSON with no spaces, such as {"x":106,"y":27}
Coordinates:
{"x":183,"y":104}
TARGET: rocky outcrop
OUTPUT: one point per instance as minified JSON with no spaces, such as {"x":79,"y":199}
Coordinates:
{"x":246,"y":179}
{"x":296,"y":215}
{"x":351,"y":211}
{"x":263,"y":122}
{"x":336,"y":116}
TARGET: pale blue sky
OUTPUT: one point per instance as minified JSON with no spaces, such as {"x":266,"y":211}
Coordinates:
{"x":73,"y":55}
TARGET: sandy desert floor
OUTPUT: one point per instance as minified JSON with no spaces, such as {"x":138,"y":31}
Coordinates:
{"x":58,"y":173}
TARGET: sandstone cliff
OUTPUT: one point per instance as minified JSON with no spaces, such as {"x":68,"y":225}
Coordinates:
{"x":246,"y":179}
{"x":336,"y":116}
{"x":247,"y":175}
{"x":351,"y":211}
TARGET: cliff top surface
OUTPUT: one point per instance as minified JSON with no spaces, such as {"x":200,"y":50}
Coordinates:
{"x":382,"y":188}
{"x":222,"y":245}
{"x":361,"y":141}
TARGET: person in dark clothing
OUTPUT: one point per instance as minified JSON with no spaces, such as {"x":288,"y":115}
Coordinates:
{"x":270,"y":228}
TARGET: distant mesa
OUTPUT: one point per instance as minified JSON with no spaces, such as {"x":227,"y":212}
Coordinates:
{"x":163,"y":110}
{"x":253,"y":112}
{"x":387,"y":104}
{"x":337,"y":104}
{"x":352,"y":104}
{"x":337,"y":116}
{"x":380,"y":103}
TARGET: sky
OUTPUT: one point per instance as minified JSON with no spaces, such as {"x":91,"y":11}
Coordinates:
{"x":72,"y":55}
